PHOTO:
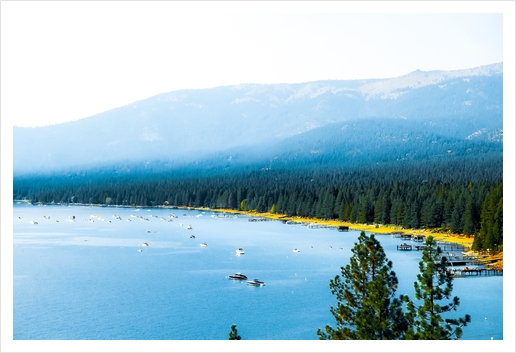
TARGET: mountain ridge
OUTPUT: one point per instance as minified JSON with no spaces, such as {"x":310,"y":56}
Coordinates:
{"x":185,"y":124}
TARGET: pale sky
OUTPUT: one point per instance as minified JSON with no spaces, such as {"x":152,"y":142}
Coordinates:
{"x":63,"y":61}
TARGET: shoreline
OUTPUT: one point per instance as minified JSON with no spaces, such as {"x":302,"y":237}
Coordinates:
{"x":460,"y":239}
{"x":494,"y":260}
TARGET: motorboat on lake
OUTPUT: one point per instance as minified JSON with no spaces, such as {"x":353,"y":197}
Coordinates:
{"x":192,"y":236}
{"x":203,"y":244}
{"x":256,"y":283}
{"x":240,"y":251}
{"x":145,"y":244}
{"x":295,"y":250}
{"x":238,"y":276}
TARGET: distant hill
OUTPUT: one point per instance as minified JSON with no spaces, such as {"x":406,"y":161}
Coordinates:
{"x":419,"y":116}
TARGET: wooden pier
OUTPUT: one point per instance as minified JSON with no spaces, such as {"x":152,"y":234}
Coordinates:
{"x":462,"y":272}
{"x":404,"y":247}
{"x":408,"y":247}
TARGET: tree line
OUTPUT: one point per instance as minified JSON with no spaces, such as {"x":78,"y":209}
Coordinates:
{"x":406,"y":197}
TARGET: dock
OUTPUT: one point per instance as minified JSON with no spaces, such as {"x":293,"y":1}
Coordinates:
{"x":462,"y":272}
{"x":404,"y":247}
{"x":408,"y":247}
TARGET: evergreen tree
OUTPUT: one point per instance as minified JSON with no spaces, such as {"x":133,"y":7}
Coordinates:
{"x":457,"y":217}
{"x":433,"y":285}
{"x":366,"y":306}
{"x":491,"y":222}
{"x":233,"y":334}
{"x":469,"y":223}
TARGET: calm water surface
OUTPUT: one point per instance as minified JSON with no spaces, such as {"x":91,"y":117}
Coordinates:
{"x":87,"y":280}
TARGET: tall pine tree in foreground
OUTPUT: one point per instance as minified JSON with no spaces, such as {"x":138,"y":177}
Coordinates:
{"x":434,"y":284}
{"x":368,"y":310}
{"x":366,"y":306}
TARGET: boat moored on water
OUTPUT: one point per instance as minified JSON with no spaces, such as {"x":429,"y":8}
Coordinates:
{"x":145,"y":244}
{"x":240,"y":251}
{"x":238,"y":276}
{"x":295,"y":250}
{"x":203,"y":244}
{"x":256,"y":283}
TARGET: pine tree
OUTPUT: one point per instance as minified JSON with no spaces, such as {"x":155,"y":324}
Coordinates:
{"x":434,"y":284}
{"x":233,"y":334}
{"x":366,"y":306}
{"x":491,"y":224}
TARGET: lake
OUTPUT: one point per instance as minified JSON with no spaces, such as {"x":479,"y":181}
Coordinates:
{"x":86,"y":279}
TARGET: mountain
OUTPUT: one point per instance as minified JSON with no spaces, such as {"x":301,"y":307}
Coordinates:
{"x":418,"y":116}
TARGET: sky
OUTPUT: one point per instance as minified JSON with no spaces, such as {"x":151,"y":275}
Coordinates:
{"x":63,"y":61}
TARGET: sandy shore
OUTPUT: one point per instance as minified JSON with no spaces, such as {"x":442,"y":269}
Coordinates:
{"x":381,"y":229}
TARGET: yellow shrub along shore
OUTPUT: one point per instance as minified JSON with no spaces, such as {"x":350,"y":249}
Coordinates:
{"x":494,"y":261}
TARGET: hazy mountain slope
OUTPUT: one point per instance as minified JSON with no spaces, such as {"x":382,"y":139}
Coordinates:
{"x":253,"y":119}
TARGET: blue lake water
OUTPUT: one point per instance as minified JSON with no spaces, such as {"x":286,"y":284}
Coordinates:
{"x":86,"y":280}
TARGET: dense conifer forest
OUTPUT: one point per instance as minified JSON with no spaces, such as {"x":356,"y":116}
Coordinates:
{"x":462,"y":197}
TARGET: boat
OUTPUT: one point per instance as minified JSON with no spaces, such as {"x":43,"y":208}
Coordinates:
{"x":238,"y":276}
{"x":145,"y":244}
{"x":256,"y":283}
{"x":139,"y":250}
{"x":203,"y":244}
{"x":192,"y":236}
{"x":240,"y":251}
{"x":189,"y":227}
{"x":295,"y":250}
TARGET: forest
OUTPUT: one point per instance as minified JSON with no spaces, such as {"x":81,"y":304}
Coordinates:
{"x":459,"y":196}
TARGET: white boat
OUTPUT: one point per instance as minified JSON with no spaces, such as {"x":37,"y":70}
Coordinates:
{"x":139,"y":250}
{"x":145,"y":244}
{"x":295,"y":250}
{"x":256,"y":283}
{"x":203,"y":244}
{"x":240,"y":251}
{"x":189,"y":227}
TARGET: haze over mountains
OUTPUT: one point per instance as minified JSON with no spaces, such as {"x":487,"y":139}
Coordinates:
{"x":420,"y":116}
